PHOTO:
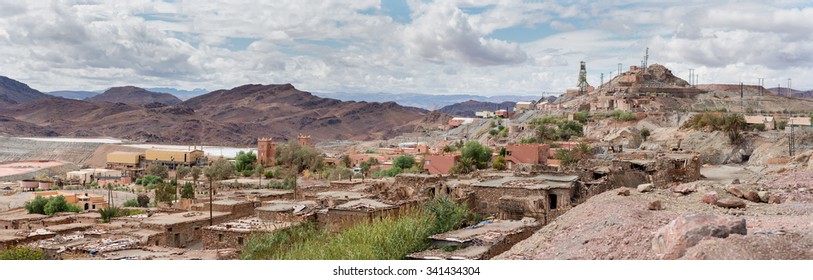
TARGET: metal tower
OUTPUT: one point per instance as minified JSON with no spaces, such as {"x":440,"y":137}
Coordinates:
{"x":583,"y":79}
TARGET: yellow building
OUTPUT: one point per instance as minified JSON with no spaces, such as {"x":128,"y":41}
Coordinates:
{"x":125,"y":159}
{"x":174,"y":156}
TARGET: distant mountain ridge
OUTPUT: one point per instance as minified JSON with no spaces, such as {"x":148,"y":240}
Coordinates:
{"x":426,"y":101}
{"x":134,"y":95}
{"x":15,"y":92}
{"x":237,"y":116}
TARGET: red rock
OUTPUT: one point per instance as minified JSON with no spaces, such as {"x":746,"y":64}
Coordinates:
{"x":752,"y":196}
{"x":774,"y":200}
{"x":672,"y":240}
{"x":624,"y":191}
{"x":655,"y":205}
{"x":684,"y":189}
{"x":710,"y":198}
{"x":735,"y":191}
{"x":730,"y":203}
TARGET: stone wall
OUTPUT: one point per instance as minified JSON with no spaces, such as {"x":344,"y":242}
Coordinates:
{"x":224,"y":239}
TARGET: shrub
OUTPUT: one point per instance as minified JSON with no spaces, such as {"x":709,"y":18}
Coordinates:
{"x":645,"y":133}
{"x":499,"y":163}
{"x":188,"y":190}
{"x":21,"y":253}
{"x":131,"y":203}
{"x":477,"y":153}
{"x":392,"y":172}
{"x":388,"y":238}
{"x":108,"y":213}
{"x":244,"y":161}
{"x":581,"y":116}
{"x":50,"y":206}
{"x":268,"y":174}
{"x":143,"y":200}
{"x":404,"y":162}
{"x":621,"y":115}
{"x":159,"y":170}
{"x":149,"y":180}
{"x":247,"y":173}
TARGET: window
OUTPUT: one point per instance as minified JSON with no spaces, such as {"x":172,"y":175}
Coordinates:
{"x":239,"y":241}
{"x":220,"y":237}
{"x":94,"y":206}
{"x":169,"y":229}
{"x":157,"y":242}
{"x":426,"y":163}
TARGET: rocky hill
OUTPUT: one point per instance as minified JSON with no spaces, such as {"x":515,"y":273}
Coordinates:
{"x":134,"y":95}
{"x":14,"y":92}
{"x":74,"y":94}
{"x":468,"y":108}
{"x":791,"y":93}
{"x":226,"y":117}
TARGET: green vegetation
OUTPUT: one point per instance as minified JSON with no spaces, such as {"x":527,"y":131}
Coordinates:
{"x":245,"y":162}
{"x":473,"y":156}
{"x":574,"y":155}
{"x":299,"y":157}
{"x":21,"y":253}
{"x":731,"y":124}
{"x":645,"y":133}
{"x":623,"y":116}
{"x":392,"y":172}
{"x":111,"y":212}
{"x":499,"y":163}
{"x":50,"y":206}
{"x":391,"y":238}
{"x":404,"y":162}
{"x":370,"y":152}
{"x":165,"y":192}
{"x":195,"y":172}
{"x":286,"y":184}
{"x":181,"y":172}
{"x":337,"y":173}
{"x":449,"y":149}
{"x":188,"y":190}
{"x":268,"y":174}
{"x":550,"y":128}
{"x":582,"y":116}
{"x":143,"y":200}
{"x":149,"y":181}
{"x":131,"y":203}
{"x":782,"y":124}
{"x":157,"y":170}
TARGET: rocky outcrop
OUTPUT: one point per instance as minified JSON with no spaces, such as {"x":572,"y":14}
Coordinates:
{"x":674,"y":239}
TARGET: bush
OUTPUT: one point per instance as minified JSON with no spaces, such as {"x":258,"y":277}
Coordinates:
{"x":388,"y":238}
{"x":549,"y":128}
{"x":149,"y":181}
{"x":581,"y":116}
{"x":477,"y":153}
{"x":645,"y":133}
{"x":392,"y":172}
{"x":499,"y":163}
{"x":404,"y":162}
{"x":21,"y":253}
{"x":50,"y":206}
{"x":247,"y":173}
{"x":268,"y":174}
{"x":159,"y":170}
{"x":188,"y":190}
{"x":621,"y":115}
{"x":165,"y":192}
{"x":131,"y":203}
{"x":143,"y":200}
{"x":108,"y":213}
{"x":245,"y":161}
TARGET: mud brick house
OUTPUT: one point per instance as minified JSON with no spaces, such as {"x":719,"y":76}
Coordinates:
{"x":266,"y":152}
{"x":439,"y":164}
{"x":670,"y":168}
{"x":354,"y":212}
{"x":265,"y":194}
{"x":287,"y":211}
{"x":234,"y":234}
{"x":22,"y":221}
{"x":549,"y":194}
{"x":333,"y":198}
{"x":237,"y":208}
{"x":181,"y":229}
{"x":482,"y":241}
{"x":526,"y":154}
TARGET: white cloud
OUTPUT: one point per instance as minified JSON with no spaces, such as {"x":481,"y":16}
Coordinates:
{"x":356,"y":46}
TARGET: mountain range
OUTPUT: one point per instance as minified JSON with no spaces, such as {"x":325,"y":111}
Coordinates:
{"x":236,"y":116}
{"x":425,"y":101}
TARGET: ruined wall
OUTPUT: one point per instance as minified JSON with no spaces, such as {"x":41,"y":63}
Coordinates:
{"x":183,"y":233}
{"x":224,"y":239}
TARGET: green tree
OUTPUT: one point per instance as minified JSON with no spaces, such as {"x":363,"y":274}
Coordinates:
{"x":195,"y":172}
{"x":181,"y":172}
{"x":188,"y":190}
{"x":159,"y":170}
{"x":143,"y":200}
{"x":245,"y":161}
{"x":645,"y":133}
{"x":299,"y":157}
{"x":499,"y":163}
{"x":50,"y":206}
{"x":732,"y":125}
{"x":346,"y":161}
{"x":165,"y":192}
{"x":479,"y":154}
{"x":404,"y":162}
{"x":219,"y":170}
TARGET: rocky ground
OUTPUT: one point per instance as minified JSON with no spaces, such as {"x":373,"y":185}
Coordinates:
{"x":613,"y":226}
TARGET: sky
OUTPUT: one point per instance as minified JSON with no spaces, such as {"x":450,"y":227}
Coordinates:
{"x":485,"y":47}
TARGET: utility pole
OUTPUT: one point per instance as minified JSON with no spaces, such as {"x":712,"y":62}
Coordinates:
{"x":790,"y":89}
{"x":646,"y":57}
{"x":619,"y":69}
{"x":602,"y":80}
{"x":691,"y":76}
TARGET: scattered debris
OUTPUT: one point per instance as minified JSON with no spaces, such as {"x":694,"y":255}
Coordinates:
{"x":672,"y":240}
{"x":730,"y":203}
